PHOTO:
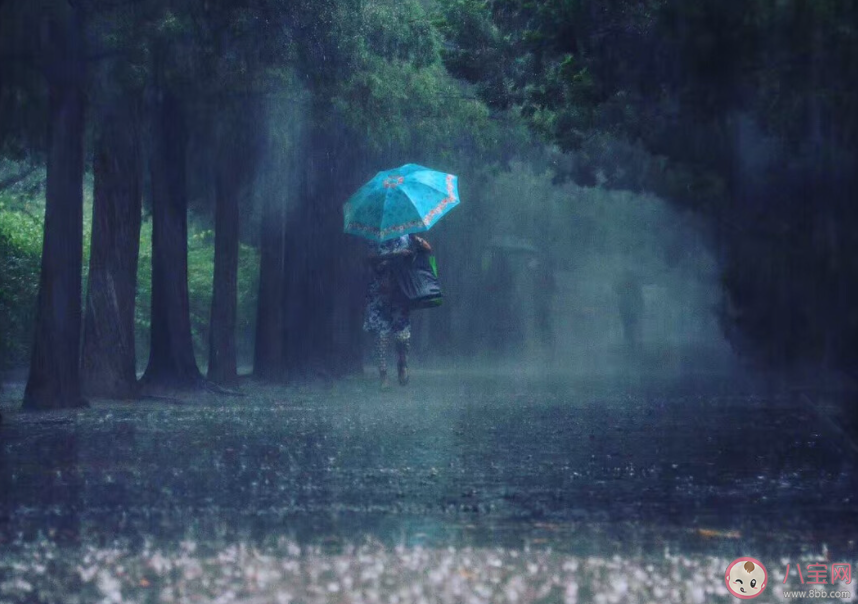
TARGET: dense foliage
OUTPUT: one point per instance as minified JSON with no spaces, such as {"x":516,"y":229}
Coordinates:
{"x":21,"y":224}
{"x":20,"y":253}
{"x":749,"y":111}
{"x":739,"y":115}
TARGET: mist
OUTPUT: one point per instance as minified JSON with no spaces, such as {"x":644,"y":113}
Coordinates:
{"x":428,"y":300}
{"x":558,"y":266}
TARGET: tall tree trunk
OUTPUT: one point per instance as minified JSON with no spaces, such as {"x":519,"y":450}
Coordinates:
{"x":109,"y":363}
{"x":269,"y":350}
{"x":349,"y":268}
{"x":306,"y":334}
{"x":268,"y":361}
{"x":325,"y":277}
{"x":349,"y":330}
{"x":171,"y":354}
{"x":54,"y":380}
{"x":222,"y":356}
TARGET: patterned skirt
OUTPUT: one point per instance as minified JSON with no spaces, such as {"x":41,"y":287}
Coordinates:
{"x":386,"y":308}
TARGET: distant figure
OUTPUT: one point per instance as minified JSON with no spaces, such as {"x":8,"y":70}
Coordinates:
{"x":504,"y":329}
{"x":544,"y":286}
{"x":387,"y":310}
{"x":630,"y":303}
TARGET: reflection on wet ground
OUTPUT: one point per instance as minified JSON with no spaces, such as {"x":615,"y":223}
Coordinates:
{"x":474,"y":478}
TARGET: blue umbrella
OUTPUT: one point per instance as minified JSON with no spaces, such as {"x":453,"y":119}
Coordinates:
{"x":397,"y":202}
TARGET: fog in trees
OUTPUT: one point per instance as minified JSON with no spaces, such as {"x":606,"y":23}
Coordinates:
{"x":643,"y":363}
{"x":646,"y":206}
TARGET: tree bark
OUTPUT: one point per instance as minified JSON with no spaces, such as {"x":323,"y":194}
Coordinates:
{"x":306,"y":333}
{"x":325,"y":279}
{"x":109,"y":362}
{"x":269,"y":349}
{"x":171,"y":355}
{"x":54,"y":380}
{"x":222,"y":356}
{"x":268,"y":358}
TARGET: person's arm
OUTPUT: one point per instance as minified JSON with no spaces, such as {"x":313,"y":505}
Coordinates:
{"x":377,"y":259}
{"x":422,"y":244}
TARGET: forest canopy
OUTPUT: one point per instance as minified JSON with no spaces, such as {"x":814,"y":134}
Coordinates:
{"x":227,"y":135}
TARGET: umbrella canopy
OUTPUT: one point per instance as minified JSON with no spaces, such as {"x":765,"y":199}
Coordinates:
{"x":409,"y":199}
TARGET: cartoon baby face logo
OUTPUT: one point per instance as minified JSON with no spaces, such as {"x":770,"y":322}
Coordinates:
{"x":746,"y":578}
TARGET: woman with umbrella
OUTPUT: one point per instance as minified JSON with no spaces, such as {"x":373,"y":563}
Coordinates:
{"x":387,"y":309}
{"x":388,"y":210}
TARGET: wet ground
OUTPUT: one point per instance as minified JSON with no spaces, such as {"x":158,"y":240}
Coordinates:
{"x":459,"y":488}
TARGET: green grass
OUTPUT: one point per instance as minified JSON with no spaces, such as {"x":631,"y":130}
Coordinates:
{"x":21,"y":228}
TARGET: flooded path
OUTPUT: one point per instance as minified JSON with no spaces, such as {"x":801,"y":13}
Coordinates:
{"x":459,"y":488}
